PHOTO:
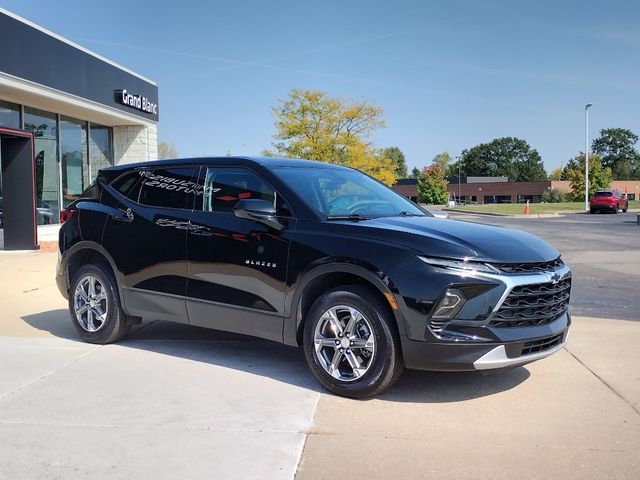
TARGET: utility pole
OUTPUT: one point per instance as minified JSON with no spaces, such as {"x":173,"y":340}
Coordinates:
{"x":458,"y":158}
{"x":586,"y":156}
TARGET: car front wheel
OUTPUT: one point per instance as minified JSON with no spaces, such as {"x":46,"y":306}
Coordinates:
{"x":351,"y":343}
{"x":95,"y":307}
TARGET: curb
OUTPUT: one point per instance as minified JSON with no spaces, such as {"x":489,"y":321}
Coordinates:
{"x":559,"y":213}
{"x":48,"y":246}
{"x":489,"y":214}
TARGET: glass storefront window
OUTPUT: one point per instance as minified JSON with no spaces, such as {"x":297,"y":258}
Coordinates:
{"x":75,"y":159}
{"x":83,"y":148}
{"x":45,"y":133}
{"x":9,"y":115}
{"x":100,"y":148}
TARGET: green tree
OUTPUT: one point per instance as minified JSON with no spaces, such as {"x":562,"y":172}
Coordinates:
{"x":432,"y":185}
{"x":415,"y":173}
{"x":310,"y":124}
{"x":555,"y":174}
{"x":503,"y":157}
{"x":395,"y":154}
{"x":616,"y":149}
{"x":443,"y":159}
{"x":553,"y":195}
{"x":599,"y":177}
{"x":572,"y":164}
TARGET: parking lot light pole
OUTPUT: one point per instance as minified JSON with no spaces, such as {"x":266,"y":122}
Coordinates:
{"x":586,"y":156}
{"x":458,"y":158}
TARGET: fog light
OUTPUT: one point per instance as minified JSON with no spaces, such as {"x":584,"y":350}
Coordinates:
{"x":450,"y":304}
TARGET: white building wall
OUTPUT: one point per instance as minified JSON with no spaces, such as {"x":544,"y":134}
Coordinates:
{"x":135,"y":143}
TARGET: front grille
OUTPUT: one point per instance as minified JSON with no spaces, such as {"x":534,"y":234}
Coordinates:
{"x":532,"y":305}
{"x":529,"y":267}
{"x":542,"y":344}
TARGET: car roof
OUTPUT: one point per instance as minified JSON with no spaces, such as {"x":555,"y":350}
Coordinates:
{"x":267,"y":162}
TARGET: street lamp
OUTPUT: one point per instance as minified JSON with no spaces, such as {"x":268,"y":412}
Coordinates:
{"x":586,"y":156}
{"x":458,"y":158}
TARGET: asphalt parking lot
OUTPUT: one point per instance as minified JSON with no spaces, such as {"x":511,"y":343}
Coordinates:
{"x":603,"y":251}
{"x":177,"y":402}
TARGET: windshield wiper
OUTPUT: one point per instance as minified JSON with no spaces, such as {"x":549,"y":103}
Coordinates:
{"x":408,"y":214}
{"x":354,"y":217}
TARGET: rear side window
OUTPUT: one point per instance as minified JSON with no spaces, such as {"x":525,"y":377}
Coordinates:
{"x":167,"y":187}
{"x":92,"y":192}
{"x":129,"y":185}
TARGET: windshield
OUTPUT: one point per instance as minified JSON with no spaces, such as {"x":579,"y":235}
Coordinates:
{"x":340,"y":193}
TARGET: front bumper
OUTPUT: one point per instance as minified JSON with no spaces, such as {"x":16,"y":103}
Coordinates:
{"x":498,"y":358}
{"x":470,"y":356}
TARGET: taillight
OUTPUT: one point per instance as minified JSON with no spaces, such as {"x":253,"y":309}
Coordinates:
{"x":66,"y":214}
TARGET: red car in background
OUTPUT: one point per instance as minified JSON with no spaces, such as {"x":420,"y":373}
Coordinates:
{"x":608,"y":200}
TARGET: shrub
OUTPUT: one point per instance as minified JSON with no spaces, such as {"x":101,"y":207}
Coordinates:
{"x":553,"y":195}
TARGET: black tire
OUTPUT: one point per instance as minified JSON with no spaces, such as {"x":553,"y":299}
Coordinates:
{"x":592,"y":211}
{"x":384,"y":366}
{"x":115,"y":324}
{"x":624,"y":210}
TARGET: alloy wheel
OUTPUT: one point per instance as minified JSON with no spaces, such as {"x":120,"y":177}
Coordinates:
{"x":90,"y":303}
{"x":344,"y":343}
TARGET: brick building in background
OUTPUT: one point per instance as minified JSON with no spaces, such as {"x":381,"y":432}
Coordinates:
{"x":499,"y":190}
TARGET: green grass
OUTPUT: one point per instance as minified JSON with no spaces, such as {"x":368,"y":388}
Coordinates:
{"x":534,"y":208}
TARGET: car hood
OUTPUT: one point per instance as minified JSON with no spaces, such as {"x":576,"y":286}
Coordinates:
{"x":457,"y":239}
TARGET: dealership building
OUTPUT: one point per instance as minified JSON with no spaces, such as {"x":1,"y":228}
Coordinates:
{"x":65,"y":112}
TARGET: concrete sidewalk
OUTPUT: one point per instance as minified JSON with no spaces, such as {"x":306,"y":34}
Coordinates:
{"x":168,"y":402}
{"x":572,"y":416}
{"x":172,"y":401}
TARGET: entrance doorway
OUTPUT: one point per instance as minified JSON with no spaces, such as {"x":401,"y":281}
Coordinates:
{"x":17,"y":190}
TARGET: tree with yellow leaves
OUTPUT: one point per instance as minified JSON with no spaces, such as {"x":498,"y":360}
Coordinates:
{"x":312,"y":125}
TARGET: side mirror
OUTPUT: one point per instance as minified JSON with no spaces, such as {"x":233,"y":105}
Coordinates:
{"x":259,"y":211}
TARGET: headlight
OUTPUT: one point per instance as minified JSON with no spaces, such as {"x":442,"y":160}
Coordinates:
{"x":459,"y":265}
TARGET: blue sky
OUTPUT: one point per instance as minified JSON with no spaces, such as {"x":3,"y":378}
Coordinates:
{"x":449,"y":74}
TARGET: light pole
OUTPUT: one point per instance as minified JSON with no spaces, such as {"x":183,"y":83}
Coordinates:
{"x":586,"y":156}
{"x":458,"y":158}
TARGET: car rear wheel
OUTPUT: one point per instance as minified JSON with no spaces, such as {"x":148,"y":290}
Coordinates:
{"x":95,"y":307}
{"x":625,"y":208}
{"x":351,"y":343}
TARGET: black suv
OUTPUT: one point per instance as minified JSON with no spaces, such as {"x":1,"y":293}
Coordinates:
{"x":308,"y":254}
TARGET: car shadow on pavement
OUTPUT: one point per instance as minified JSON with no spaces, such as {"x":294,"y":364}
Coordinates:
{"x":416,"y":386}
{"x":280,"y":362}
